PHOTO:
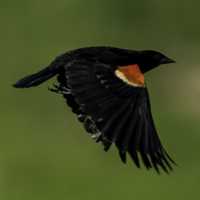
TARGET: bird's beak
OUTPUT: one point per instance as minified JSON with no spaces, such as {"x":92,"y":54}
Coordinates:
{"x":167,"y":60}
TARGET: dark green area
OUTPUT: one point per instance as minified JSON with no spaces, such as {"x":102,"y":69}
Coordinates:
{"x":44,"y":152}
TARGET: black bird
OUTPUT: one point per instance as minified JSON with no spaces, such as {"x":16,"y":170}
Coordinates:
{"x":105,"y":88}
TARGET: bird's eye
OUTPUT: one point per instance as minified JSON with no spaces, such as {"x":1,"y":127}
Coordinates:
{"x":157,"y":57}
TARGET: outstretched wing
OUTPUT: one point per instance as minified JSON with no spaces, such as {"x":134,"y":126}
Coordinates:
{"x":117,"y":112}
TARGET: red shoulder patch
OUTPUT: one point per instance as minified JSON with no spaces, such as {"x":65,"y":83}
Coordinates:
{"x":131,"y":74}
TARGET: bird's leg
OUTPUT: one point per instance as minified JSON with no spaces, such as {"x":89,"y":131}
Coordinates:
{"x":55,"y":89}
{"x":60,"y":89}
{"x":65,"y":90}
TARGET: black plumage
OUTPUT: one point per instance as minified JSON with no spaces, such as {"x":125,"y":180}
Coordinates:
{"x":112,"y":110}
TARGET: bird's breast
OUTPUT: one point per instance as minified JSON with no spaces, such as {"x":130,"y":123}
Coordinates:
{"x":131,"y":74}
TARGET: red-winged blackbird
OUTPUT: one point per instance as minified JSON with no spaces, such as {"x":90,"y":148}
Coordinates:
{"x":105,"y":88}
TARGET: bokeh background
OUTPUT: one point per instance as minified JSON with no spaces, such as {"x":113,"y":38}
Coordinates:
{"x":44,"y":152}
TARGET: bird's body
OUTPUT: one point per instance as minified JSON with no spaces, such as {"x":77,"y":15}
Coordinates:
{"x":105,"y":88}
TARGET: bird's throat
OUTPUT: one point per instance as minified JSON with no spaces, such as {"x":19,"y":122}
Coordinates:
{"x":131,"y":74}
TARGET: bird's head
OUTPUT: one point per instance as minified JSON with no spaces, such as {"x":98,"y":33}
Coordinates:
{"x":149,"y":59}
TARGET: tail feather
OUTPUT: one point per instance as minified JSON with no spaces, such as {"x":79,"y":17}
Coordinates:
{"x":38,"y":78}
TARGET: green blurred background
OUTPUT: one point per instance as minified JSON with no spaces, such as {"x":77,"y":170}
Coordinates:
{"x":44,"y":152}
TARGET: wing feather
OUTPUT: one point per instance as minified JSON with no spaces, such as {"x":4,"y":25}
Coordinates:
{"x":120,"y":113}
